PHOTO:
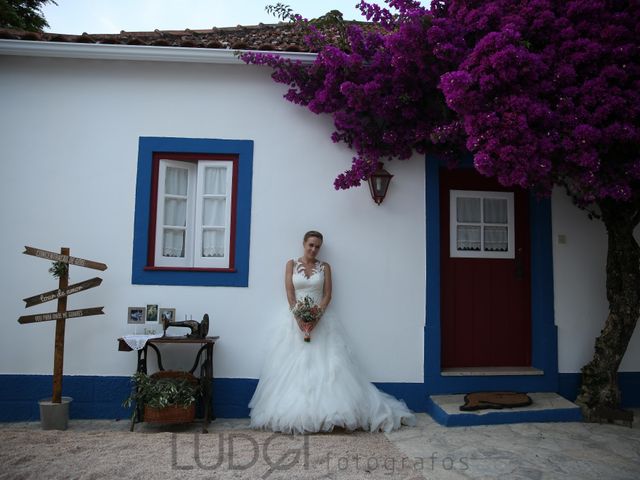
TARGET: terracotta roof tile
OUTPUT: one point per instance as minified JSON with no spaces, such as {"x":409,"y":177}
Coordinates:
{"x":274,"y":37}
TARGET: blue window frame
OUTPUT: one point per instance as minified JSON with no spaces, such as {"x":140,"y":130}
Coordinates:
{"x":144,"y":270}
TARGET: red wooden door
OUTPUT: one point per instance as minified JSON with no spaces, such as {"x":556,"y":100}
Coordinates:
{"x":485,"y":272}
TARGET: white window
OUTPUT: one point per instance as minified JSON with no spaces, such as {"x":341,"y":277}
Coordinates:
{"x":193,"y":216}
{"x":481,"y":224}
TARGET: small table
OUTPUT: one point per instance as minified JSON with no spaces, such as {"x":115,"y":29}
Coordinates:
{"x":206,"y":369}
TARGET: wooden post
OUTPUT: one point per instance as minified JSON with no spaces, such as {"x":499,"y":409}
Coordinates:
{"x":58,"y":354}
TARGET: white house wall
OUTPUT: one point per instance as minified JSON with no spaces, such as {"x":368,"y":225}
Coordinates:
{"x":579,"y":283}
{"x":70,"y":133}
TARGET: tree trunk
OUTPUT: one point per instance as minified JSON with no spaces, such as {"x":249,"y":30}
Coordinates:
{"x":599,"y":377}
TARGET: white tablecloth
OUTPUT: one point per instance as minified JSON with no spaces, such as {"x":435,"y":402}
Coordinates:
{"x":137,"y":342}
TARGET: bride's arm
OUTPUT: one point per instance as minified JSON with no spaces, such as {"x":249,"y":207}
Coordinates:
{"x":326,"y":297}
{"x":291,"y":291}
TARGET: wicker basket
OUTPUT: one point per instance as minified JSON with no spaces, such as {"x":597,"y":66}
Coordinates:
{"x":171,"y":413}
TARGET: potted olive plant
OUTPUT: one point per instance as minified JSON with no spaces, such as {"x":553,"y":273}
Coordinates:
{"x":166,"y":396}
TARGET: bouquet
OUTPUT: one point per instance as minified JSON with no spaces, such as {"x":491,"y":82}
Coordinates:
{"x":308,"y":312}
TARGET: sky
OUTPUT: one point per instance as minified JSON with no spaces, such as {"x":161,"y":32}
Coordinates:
{"x":112,"y":16}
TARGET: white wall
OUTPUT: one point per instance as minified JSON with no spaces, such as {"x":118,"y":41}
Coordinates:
{"x":579,"y":281}
{"x":69,"y":131}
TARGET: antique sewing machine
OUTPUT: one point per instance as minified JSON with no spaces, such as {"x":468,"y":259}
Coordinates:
{"x":198,"y":329}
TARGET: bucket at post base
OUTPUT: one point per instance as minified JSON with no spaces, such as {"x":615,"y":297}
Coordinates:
{"x":54,"y":416}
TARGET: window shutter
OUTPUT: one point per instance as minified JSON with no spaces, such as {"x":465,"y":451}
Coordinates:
{"x":174,"y":216}
{"x":213,"y":214}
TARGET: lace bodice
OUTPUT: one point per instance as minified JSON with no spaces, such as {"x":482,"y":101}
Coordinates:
{"x":313,"y":285}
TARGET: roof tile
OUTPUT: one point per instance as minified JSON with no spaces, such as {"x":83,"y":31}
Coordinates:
{"x":273,"y":37}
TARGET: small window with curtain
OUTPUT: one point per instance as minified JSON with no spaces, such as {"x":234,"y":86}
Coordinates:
{"x":192,"y":225}
{"x":481,"y":224}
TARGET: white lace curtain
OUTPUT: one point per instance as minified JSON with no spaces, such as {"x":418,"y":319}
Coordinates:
{"x":214,"y":211}
{"x":468,"y":237}
{"x":496,"y":239}
{"x":215,"y":181}
{"x":493,"y":211}
{"x":468,"y":210}
{"x":176,"y":186}
{"x":213,"y":243}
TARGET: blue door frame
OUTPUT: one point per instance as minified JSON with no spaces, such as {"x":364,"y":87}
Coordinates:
{"x":544,"y":336}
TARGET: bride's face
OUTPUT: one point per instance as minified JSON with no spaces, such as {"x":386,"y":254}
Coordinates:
{"x":312,"y":247}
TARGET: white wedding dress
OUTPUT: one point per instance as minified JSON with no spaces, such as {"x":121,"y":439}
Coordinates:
{"x":313,"y":386}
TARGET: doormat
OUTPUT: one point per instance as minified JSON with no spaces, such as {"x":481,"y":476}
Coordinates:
{"x":483,"y":400}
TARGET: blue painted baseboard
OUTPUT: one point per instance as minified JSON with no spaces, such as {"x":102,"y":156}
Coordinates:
{"x":98,"y":397}
{"x":93,"y":396}
{"x":101,"y":397}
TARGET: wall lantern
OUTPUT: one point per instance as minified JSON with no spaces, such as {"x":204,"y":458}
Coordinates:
{"x":379,"y":183}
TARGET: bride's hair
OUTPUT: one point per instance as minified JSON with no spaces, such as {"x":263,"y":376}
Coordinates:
{"x":312,"y":233}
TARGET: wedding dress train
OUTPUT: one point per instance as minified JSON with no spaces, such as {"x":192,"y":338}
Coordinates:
{"x":316,"y":386}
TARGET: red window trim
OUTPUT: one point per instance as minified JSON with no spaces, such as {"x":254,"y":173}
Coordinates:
{"x":189,"y":269}
{"x":192,"y":158}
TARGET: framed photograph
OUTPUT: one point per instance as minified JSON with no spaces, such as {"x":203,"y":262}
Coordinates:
{"x":152,"y":313}
{"x":136,"y":315}
{"x":167,"y":314}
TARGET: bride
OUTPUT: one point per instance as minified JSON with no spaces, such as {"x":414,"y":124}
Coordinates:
{"x":316,"y":385}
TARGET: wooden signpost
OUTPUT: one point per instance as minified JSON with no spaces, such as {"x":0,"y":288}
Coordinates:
{"x":64,"y":258}
{"x":61,"y":294}
{"x":54,"y":294}
{"x":43,"y":317}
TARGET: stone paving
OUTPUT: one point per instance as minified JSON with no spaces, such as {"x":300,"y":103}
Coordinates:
{"x":563,"y":450}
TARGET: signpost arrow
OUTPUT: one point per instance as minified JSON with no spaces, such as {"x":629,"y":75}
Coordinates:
{"x":44,"y":317}
{"x":55,"y":294}
{"x":57,"y":257}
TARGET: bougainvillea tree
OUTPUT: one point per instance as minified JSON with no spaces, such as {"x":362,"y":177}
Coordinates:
{"x":542,"y":93}
{"x":549,"y":94}
{"x":378,"y":81}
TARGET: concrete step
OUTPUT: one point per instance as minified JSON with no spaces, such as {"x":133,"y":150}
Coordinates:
{"x":545,"y":407}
